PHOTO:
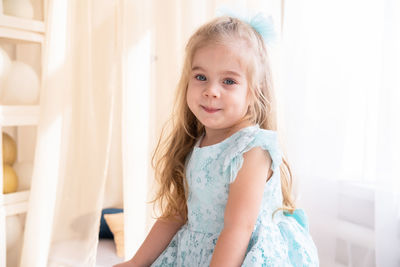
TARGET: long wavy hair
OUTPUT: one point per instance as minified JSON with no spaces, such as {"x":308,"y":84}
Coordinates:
{"x":184,"y":129}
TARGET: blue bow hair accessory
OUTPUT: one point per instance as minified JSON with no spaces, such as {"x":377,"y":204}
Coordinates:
{"x":262,"y":24}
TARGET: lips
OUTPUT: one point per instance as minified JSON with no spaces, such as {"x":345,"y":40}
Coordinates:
{"x":210,"y":109}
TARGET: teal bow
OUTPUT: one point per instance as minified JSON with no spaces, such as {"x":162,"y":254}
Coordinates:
{"x":300,"y":217}
{"x":262,"y":24}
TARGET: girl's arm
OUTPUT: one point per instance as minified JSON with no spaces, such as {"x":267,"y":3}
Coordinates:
{"x":156,"y":241}
{"x":242,"y":208}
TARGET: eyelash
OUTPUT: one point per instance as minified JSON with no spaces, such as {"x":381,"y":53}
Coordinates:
{"x":197,"y":77}
{"x":230,"y":80}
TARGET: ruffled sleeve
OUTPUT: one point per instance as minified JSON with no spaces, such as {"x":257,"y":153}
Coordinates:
{"x":266,"y":139}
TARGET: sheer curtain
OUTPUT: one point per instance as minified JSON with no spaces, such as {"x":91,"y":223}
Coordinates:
{"x":340,"y":86}
{"x":387,"y":195}
{"x":81,"y":82}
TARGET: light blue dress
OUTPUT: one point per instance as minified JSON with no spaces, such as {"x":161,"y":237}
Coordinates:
{"x":279,"y":240}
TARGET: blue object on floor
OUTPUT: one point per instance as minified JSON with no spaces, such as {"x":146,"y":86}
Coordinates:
{"x":105,"y":231}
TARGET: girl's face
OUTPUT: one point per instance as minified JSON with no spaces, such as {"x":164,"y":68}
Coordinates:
{"x":217,"y":92}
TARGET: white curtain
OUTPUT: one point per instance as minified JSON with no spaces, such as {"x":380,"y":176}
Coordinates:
{"x":340,"y":86}
{"x":387,"y":195}
{"x":81,"y":83}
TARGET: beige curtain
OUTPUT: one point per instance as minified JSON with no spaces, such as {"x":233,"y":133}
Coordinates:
{"x":78,"y":104}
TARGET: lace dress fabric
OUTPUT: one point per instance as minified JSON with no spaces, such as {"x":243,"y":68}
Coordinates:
{"x":278,"y":240}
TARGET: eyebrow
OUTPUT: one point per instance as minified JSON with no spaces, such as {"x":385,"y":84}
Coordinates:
{"x":228,"y":72}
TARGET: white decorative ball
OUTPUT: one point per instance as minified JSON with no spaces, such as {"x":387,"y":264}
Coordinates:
{"x":21,"y":86}
{"x":5,"y":64}
{"x":14,"y":230}
{"x":18,"y":8}
{"x":24,"y":172}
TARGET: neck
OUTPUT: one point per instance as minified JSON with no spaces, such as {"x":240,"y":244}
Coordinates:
{"x":214,"y":136}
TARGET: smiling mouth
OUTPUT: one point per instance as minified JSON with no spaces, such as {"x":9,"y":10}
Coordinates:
{"x":210,"y":110}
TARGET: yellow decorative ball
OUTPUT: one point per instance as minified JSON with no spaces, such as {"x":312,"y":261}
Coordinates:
{"x":9,"y":149}
{"x":10,"y":179}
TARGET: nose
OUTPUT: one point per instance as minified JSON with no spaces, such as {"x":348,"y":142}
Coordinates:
{"x":212,"y":90}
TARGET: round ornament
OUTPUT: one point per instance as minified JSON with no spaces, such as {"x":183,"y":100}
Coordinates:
{"x":21,"y":86}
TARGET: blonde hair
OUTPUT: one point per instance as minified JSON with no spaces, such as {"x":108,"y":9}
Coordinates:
{"x":172,"y":150}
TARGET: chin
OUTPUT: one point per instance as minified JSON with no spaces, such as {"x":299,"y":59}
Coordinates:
{"x":215,"y":126}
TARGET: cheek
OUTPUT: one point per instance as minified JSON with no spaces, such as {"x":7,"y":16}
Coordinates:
{"x":190,"y":97}
{"x":249,"y":98}
{"x":249,"y":101}
{"x":243,"y":100}
{"x":192,"y":92}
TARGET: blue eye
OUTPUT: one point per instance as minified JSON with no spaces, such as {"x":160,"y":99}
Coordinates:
{"x":229,"y":81}
{"x":200,"y":77}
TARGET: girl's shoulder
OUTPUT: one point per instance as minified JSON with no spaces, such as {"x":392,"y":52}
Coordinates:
{"x":252,"y":134}
{"x":248,"y":138}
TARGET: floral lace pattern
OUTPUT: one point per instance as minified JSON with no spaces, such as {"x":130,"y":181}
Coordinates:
{"x":277,"y":240}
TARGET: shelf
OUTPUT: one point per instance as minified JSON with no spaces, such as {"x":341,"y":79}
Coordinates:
{"x":15,"y":203}
{"x":23,"y":39}
{"x":19,"y":29}
{"x":13,"y":34}
{"x":15,"y":197}
{"x":21,"y":24}
{"x":16,"y":208}
{"x":19,"y":115}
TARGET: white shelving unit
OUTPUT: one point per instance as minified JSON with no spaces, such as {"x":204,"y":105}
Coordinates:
{"x":23,"y":39}
{"x":19,"y":115}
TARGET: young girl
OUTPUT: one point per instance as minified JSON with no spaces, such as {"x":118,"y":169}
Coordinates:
{"x":225,"y":190}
